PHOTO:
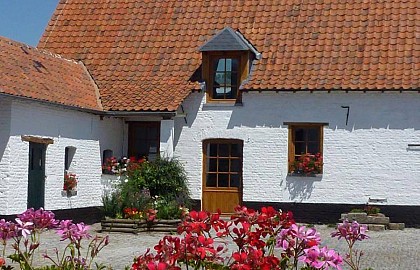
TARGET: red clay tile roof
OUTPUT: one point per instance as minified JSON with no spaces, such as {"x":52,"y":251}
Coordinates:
{"x":28,"y":72}
{"x":143,"y":53}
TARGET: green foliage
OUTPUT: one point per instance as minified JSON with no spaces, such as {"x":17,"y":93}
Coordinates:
{"x":372,"y":210}
{"x":163,"y":178}
{"x":167,"y":209}
{"x":112,"y":204}
{"x":357,"y":210}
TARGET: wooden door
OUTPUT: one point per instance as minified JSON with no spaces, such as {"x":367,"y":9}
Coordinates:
{"x":144,"y":139}
{"x":36,"y":175}
{"x":222,"y":175}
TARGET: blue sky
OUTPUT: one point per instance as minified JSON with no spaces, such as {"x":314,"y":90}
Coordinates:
{"x":25,"y":20}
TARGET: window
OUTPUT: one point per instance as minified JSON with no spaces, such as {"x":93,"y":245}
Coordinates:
{"x":304,"y":139}
{"x":144,"y":140}
{"x":222,"y":163}
{"x":224,"y":76}
{"x":69,"y":152}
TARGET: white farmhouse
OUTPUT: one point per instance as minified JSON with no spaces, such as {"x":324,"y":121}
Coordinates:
{"x":309,"y":106}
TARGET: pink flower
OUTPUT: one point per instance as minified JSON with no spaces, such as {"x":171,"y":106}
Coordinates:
{"x":323,"y":258}
{"x":8,"y":230}
{"x":25,"y":228}
{"x":40,"y":218}
{"x":352,"y":232}
{"x":74,"y":232}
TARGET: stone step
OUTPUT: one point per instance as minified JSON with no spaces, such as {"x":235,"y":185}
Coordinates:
{"x":377,"y":220}
{"x":376,"y":227}
{"x":396,"y":226}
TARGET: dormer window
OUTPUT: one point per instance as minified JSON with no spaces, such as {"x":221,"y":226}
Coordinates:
{"x":224,"y":77}
{"x":226,"y":64}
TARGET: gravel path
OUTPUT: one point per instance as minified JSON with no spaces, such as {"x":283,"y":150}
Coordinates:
{"x":386,"y":250}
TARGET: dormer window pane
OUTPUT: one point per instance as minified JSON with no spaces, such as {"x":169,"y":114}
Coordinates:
{"x":225,"y":78}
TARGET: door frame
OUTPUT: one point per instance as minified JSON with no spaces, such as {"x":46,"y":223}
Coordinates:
{"x":220,"y":191}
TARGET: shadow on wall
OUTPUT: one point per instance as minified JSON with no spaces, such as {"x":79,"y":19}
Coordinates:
{"x":300,"y":188}
{"x":366,"y":111}
{"x":191,"y":107}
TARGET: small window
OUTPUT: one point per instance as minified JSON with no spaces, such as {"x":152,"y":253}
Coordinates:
{"x":69,"y":152}
{"x":223,"y":163}
{"x":305,"y":148}
{"x":106,"y":156}
{"x":224,"y":76}
{"x":108,"y":153}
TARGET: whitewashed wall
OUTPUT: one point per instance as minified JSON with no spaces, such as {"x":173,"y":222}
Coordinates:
{"x":5,"y":111}
{"x":369,"y":157}
{"x":86,"y":132}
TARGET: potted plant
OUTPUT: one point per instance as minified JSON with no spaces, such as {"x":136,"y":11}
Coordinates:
{"x":307,"y":165}
{"x":70,"y":184}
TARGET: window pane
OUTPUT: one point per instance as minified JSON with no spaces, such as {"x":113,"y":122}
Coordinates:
{"x":300,"y":134}
{"x":235,"y":64}
{"x":211,"y":180}
{"x":228,"y":78}
{"x":220,"y":79}
{"x":219,"y":64}
{"x":223,"y":150}
{"x":313,"y":148}
{"x":300,"y":148}
{"x":223,"y":165}
{"x":236,"y":150}
{"x":234,"y":180}
{"x":313,"y":134}
{"x":235,"y":165}
{"x":223,"y":180}
{"x":219,"y":92}
{"x":212,"y":165}
{"x":213,"y":149}
{"x":228,"y":64}
{"x":234,"y":79}
{"x":228,"y":91}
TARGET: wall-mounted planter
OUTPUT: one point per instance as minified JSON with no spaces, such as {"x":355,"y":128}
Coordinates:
{"x":136,"y":226}
{"x":68,"y":193}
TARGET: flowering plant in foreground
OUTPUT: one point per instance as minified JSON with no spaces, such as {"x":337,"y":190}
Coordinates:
{"x":25,"y":237}
{"x":201,"y":243}
{"x":352,"y":232}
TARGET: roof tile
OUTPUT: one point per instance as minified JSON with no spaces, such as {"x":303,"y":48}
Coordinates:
{"x":143,"y":54}
{"x":29,"y":72}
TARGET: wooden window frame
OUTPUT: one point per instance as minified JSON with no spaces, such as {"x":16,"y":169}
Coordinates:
{"x":207,"y":156}
{"x":144,"y":124}
{"x":207,"y":71}
{"x":292,"y":126}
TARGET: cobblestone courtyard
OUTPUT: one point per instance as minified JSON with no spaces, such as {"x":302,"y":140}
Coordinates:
{"x":386,"y":250}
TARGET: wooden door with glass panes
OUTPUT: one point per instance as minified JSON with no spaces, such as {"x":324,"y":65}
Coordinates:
{"x":222,"y":175}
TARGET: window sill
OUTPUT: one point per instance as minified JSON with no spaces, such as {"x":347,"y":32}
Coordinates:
{"x":68,"y":193}
{"x":300,"y":176}
{"x":218,"y":104}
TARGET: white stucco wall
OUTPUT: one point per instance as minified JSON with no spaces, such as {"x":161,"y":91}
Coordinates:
{"x":367,"y":158}
{"x":5,"y":110}
{"x":86,"y":132}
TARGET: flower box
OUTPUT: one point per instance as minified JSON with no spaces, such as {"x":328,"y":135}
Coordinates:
{"x":136,"y":226}
{"x":68,"y":193}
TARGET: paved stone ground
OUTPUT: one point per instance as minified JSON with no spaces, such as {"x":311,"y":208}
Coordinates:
{"x":386,"y":250}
